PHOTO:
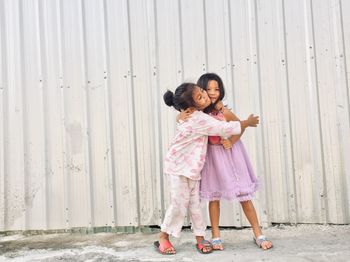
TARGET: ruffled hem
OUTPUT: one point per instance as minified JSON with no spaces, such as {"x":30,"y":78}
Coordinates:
{"x":226,"y":196}
{"x":212,"y":196}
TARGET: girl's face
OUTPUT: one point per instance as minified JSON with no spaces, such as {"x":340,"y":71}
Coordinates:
{"x":213,"y":91}
{"x":201,"y":98}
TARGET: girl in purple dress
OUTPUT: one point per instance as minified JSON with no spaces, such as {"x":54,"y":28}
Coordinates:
{"x":227,"y":172}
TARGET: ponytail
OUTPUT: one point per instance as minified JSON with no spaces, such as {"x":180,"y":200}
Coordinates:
{"x":182,"y":98}
{"x":169,"y":98}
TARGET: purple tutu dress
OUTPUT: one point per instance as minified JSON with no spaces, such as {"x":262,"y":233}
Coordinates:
{"x":227,"y":173}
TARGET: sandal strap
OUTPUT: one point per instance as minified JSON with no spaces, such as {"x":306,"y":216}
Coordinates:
{"x":260,"y":239}
{"x":204,"y":243}
{"x":165,"y":245}
{"x":216,"y":241}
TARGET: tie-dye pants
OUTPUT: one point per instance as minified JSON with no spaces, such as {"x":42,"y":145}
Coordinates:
{"x":184,"y":196}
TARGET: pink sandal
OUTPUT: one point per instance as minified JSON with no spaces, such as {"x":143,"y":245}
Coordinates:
{"x":164,"y":248}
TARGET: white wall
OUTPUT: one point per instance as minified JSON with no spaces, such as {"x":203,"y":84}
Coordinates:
{"x":83,"y":127}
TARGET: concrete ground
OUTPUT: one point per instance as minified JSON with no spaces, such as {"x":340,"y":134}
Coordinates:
{"x":291,"y":243}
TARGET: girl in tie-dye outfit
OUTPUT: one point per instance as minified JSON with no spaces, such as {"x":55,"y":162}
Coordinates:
{"x":184,"y":162}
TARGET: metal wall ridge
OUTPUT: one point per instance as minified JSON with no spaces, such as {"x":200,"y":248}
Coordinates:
{"x":83,"y":126}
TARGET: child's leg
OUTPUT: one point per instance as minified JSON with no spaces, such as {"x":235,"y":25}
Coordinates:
{"x":250,"y":213}
{"x":214,"y":214}
{"x":196,"y":216}
{"x":175,"y":214}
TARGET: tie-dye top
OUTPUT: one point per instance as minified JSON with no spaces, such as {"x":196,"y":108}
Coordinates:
{"x":187,"y":151}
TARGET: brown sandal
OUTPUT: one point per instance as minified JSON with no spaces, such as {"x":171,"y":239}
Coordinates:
{"x":204,"y":244}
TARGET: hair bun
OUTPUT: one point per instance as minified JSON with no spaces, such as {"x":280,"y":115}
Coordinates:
{"x":169,"y":98}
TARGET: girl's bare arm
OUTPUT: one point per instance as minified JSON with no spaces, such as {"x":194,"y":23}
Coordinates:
{"x":230,"y":116}
{"x":184,"y":115}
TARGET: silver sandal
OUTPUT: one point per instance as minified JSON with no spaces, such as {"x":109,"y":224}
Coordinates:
{"x":260,"y":239}
{"x":217,"y":241}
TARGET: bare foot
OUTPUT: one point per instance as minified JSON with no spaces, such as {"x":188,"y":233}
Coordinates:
{"x":267,"y":244}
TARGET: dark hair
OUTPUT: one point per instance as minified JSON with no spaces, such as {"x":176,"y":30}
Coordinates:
{"x":203,"y":82}
{"x":182,"y":99}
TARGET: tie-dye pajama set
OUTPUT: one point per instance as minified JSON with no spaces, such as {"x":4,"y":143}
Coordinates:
{"x":183,"y":164}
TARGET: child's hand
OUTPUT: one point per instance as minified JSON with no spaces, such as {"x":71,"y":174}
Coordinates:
{"x":184,"y":115}
{"x":253,"y":121}
{"x":226,"y":143}
{"x":219,"y":106}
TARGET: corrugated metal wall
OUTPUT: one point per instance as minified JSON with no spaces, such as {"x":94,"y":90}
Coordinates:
{"x":83,"y":127}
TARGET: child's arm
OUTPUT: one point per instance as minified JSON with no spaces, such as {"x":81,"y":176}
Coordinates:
{"x":184,"y":115}
{"x":207,"y":125}
{"x":229,"y":116}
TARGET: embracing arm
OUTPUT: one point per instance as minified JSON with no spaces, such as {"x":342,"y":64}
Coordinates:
{"x":207,"y":125}
{"x":184,"y":115}
{"x":230,"y":116}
